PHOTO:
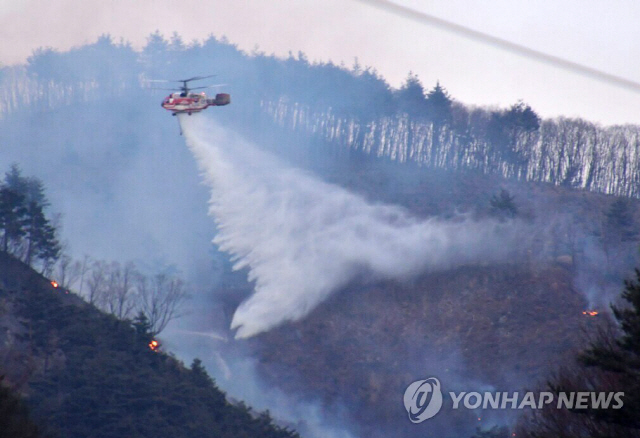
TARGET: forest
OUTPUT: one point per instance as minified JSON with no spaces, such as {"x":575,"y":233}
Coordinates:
{"x":569,"y":183}
{"x":74,"y":355}
{"x":351,"y":106}
{"x":66,"y":356}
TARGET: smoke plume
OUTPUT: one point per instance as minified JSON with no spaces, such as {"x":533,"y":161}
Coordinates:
{"x":302,"y":239}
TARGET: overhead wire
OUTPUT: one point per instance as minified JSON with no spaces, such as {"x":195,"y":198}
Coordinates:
{"x":503,"y":44}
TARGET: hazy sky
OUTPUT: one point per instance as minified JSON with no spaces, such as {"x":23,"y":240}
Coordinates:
{"x":602,"y":35}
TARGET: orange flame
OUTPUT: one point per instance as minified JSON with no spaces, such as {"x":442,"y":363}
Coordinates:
{"x":590,"y":312}
{"x":54,"y":283}
{"x":153,"y":345}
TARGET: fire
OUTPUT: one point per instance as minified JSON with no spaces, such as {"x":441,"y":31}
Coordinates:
{"x":154,"y":345}
{"x":54,"y":283}
{"x":590,"y":312}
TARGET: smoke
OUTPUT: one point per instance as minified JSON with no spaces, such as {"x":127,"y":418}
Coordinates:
{"x":236,"y":372}
{"x":302,"y":239}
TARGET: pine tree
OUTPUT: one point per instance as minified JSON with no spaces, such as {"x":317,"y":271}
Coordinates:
{"x":521,"y":117}
{"x":14,"y":180}
{"x":505,"y":127}
{"x":439,"y":105}
{"x":31,"y":188}
{"x":411,"y":98}
{"x":12,"y":216}
{"x":40,"y":236}
{"x":142,"y":325}
{"x":199,"y":372}
{"x":503,"y":205}
{"x":22,"y":218}
{"x":611,"y":364}
{"x":621,"y":356}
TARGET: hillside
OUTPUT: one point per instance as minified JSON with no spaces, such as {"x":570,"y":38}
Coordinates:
{"x":360,"y":349}
{"x":351,"y":107}
{"x":506,"y":326}
{"x":503,"y":326}
{"x":84,"y":373}
{"x":128,"y":189}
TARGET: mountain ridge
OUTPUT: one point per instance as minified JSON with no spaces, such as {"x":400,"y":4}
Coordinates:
{"x":65,"y":356}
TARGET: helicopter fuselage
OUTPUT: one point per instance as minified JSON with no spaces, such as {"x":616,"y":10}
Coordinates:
{"x":193,"y":102}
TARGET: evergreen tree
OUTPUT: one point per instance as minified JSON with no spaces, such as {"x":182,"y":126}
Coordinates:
{"x":199,"y":372}
{"x":411,"y":98}
{"x":439,"y":105}
{"x":621,"y":357}
{"x":505,"y":127}
{"x":503,"y":205}
{"x":142,"y":325}
{"x":12,"y":216}
{"x":22,"y":218}
{"x":109,"y":372}
{"x":40,"y":236}
{"x":610,"y":364}
{"x":14,"y":180}
{"x":156,"y":56}
{"x":31,"y":188}
{"x":521,"y":117}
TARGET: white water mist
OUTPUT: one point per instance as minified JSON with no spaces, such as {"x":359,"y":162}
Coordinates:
{"x":302,"y":239}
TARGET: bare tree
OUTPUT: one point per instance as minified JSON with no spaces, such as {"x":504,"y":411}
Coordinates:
{"x":86,"y":265}
{"x":119,"y":291}
{"x":160,"y":299}
{"x":96,"y":282}
{"x":67,"y":272}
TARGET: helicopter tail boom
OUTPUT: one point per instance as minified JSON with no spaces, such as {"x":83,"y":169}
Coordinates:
{"x":221,"y":99}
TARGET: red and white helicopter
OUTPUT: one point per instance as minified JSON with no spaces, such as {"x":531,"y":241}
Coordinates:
{"x":184,"y":101}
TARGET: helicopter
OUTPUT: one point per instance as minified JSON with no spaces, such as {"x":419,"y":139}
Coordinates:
{"x":184,"y":101}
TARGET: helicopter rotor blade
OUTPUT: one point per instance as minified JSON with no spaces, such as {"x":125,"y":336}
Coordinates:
{"x":195,"y":78}
{"x":208,"y":86}
{"x":184,"y":81}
